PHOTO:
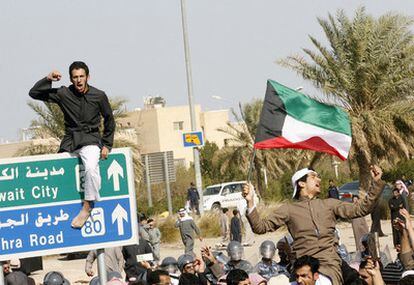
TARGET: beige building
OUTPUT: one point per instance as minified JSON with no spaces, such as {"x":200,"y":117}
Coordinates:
{"x":161,"y":128}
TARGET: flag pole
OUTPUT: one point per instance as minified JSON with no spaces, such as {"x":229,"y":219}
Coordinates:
{"x":249,"y":174}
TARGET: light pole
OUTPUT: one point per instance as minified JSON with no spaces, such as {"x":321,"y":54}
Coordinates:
{"x":190,"y":100}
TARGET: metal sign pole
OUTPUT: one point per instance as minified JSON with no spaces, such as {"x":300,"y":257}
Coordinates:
{"x":101,"y":266}
{"x":167,"y":183}
{"x":147,"y":175}
{"x":196,"y":154}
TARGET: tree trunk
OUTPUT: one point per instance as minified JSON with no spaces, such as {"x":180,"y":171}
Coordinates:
{"x":259,"y":178}
{"x":364,"y":174}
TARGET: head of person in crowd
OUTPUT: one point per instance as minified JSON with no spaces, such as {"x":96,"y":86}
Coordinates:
{"x":186,"y":263}
{"x":79,"y":76}
{"x":15,"y":264}
{"x":237,"y":277}
{"x":282,"y":245}
{"x":306,"y":182}
{"x":267,"y":250}
{"x":169,"y":264}
{"x":142,"y":219}
{"x":182,"y":212}
{"x":396,"y":192}
{"x":189,"y":279}
{"x":225,"y":210}
{"x":235,"y":212}
{"x":235,"y":250}
{"x":331,"y":183}
{"x":355,"y":198}
{"x":55,"y":278}
{"x":158,"y":277}
{"x":407,"y":278}
{"x":17,"y":278}
{"x":305,"y":270}
{"x":151,"y":223}
{"x":6,"y":267}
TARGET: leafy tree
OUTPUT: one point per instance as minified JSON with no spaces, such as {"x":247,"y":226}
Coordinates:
{"x":368,"y":65}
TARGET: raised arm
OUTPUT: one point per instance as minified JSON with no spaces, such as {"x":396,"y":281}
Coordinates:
{"x":42,"y":90}
{"x":263,"y":225}
{"x":409,"y":226}
{"x":348,"y":210}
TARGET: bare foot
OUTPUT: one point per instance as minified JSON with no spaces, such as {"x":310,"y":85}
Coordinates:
{"x":80,"y":219}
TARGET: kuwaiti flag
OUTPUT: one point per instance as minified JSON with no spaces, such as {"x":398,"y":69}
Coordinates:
{"x":289,"y":119}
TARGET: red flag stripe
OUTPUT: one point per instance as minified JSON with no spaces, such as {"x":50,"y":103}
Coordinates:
{"x":313,"y":143}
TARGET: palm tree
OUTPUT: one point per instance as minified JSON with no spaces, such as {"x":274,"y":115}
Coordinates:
{"x":238,"y":153}
{"x":368,"y":65}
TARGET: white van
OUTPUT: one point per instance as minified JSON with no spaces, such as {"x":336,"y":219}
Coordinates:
{"x":224,"y":195}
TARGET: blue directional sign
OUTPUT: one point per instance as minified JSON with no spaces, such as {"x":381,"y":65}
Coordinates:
{"x":40,"y":195}
{"x":193,"y":139}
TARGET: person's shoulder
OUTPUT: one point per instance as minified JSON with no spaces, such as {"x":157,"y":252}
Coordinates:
{"x":95,"y":91}
{"x":323,"y":280}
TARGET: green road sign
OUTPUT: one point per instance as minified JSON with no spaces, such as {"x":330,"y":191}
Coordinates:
{"x":40,"y":195}
{"x":56,"y":178}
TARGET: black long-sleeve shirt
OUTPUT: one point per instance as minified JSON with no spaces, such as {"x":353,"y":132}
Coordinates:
{"x":395,"y":204}
{"x":82,"y":114}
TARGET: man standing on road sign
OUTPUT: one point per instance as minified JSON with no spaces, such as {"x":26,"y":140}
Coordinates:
{"x":82,"y":106}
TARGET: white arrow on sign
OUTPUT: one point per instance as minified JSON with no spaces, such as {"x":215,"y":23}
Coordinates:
{"x":118,"y":215}
{"x":115,"y":170}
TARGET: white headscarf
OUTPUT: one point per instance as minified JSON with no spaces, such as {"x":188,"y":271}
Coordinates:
{"x":403,"y":187}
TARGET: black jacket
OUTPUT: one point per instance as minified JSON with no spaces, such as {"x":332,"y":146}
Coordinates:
{"x":82,"y":114}
{"x":130,"y":252}
{"x":395,"y":205}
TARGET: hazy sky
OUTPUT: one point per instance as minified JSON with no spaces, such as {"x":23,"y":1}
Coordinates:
{"x":134,"y":48}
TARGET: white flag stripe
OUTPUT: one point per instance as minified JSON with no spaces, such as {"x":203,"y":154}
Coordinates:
{"x":296,"y":131}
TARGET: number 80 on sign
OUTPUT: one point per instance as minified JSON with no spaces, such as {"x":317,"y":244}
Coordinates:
{"x":95,"y":225}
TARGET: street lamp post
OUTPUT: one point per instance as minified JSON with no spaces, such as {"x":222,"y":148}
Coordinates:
{"x":190,"y":100}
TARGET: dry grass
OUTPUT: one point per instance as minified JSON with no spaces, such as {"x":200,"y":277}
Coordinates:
{"x":209,"y":224}
{"x":169,"y":233}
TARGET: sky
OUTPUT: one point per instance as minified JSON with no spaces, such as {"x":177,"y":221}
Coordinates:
{"x":134,"y":48}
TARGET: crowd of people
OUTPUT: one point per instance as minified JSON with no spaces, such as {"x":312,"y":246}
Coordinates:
{"x":312,"y":252}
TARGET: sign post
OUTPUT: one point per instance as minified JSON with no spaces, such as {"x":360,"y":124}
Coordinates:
{"x":40,"y":195}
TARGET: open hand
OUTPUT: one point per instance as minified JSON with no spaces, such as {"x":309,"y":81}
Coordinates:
{"x":206,"y":253}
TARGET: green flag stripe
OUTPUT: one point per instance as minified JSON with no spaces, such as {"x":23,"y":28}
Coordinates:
{"x":311,"y":111}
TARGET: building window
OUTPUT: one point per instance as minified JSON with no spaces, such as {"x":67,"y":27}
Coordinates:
{"x":178,"y":126}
